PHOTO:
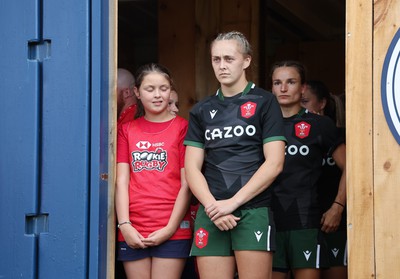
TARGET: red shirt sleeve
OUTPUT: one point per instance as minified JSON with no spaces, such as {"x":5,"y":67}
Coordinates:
{"x":123,"y":143}
{"x":182,"y":147}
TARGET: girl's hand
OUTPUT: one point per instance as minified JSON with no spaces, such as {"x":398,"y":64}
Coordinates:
{"x":132,"y":237}
{"x":220,"y":208}
{"x":158,"y":237}
{"x":227,"y":222}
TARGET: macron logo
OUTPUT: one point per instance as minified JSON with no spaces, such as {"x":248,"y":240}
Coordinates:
{"x":258,"y":235}
{"x":213,"y":113}
{"x":335,"y":252}
{"x":307,"y":254}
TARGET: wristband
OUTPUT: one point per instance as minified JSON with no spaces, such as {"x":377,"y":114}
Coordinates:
{"x":342,"y":205}
{"x":123,"y":223}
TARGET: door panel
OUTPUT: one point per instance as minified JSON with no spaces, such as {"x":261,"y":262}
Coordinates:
{"x":20,"y":115}
{"x":65,"y":140}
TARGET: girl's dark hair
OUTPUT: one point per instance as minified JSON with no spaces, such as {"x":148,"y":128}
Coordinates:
{"x":321,"y":91}
{"x":143,"y":71}
{"x":290,"y":63}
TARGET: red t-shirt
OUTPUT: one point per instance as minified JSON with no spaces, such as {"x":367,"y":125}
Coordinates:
{"x":155,"y":153}
{"x":127,"y":115}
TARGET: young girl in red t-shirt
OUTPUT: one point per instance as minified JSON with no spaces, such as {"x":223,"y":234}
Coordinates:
{"x":152,"y":197}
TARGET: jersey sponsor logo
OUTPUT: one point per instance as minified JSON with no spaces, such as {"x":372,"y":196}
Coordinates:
{"x":294,"y":149}
{"x":230,"y":132}
{"x":258,"y":235}
{"x":328,"y":161}
{"x":248,"y":109}
{"x":149,"y":160}
{"x":390,"y":86}
{"x":143,"y":144}
{"x":335,"y":252}
{"x":201,"y":238}
{"x":213,"y":113}
{"x":158,"y":144}
{"x":307,"y":254}
{"x":147,"y":145}
{"x":302,"y":129}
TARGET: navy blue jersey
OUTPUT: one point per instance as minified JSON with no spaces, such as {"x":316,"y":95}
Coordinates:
{"x":232,"y":131}
{"x":309,"y":138}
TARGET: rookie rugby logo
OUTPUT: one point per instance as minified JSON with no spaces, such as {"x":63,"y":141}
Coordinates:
{"x":149,"y":160}
{"x":390,"y":87}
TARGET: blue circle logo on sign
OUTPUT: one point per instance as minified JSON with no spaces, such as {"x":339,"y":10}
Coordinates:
{"x":390,"y":87}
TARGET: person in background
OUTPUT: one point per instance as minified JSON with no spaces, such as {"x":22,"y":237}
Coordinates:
{"x":301,"y":247}
{"x":126,"y":99}
{"x":126,"y":109}
{"x":234,"y":150}
{"x":173,"y":104}
{"x":152,"y":197}
{"x":340,"y":109}
{"x":331,"y":187}
{"x":190,"y":270}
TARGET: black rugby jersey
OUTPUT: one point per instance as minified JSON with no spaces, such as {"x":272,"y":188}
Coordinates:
{"x":232,"y":131}
{"x":328,"y":183}
{"x":309,"y":138}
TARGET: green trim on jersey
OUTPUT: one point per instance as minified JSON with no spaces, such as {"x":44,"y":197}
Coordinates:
{"x":277,"y":138}
{"x":193,"y":143}
{"x":245,"y":91}
{"x":302,"y":111}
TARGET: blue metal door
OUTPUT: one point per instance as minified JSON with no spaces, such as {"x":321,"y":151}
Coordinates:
{"x":20,"y":116}
{"x":53,"y":115}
